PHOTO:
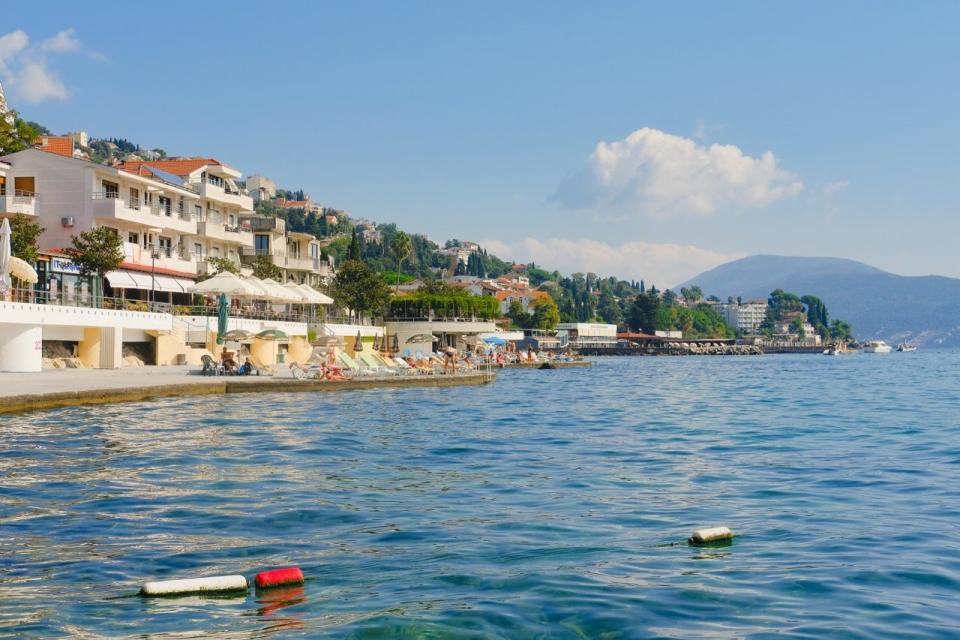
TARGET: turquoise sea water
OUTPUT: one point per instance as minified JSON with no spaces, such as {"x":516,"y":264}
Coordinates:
{"x":544,"y":505}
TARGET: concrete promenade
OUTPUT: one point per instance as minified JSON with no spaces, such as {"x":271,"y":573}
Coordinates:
{"x":50,"y":389}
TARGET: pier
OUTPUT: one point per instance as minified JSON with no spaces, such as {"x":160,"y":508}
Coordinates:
{"x":76,"y":387}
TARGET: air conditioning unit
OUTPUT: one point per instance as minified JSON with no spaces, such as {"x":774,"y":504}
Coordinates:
{"x":67,"y":221}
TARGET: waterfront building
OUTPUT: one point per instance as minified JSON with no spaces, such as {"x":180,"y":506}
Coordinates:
{"x":150,"y":215}
{"x":588,"y":334}
{"x":747,"y":317}
{"x":298,"y":255}
{"x":16,"y":196}
{"x":216,"y":207}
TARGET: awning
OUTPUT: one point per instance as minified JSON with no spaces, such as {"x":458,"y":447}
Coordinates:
{"x":123,"y":279}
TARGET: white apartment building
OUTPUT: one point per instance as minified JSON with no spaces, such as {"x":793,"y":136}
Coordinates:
{"x":16,"y":195}
{"x":217,"y":207}
{"x":296,"y":254}
{"x":746,"y":317}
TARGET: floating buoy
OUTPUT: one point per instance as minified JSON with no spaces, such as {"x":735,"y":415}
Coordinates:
{"x":213,"y":584}
{"x":713,"y":534}
{"x":279,"y":577}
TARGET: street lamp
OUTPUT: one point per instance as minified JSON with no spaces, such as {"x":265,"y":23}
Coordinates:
{"x":154,"y":254}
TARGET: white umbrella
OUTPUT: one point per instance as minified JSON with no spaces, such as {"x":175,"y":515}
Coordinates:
{"x":21,"y":270}
{"x":296,"y":292}
{"x":5,"y":255}
{"x":224,"y":282}
{"x":263,"y":291}
{"x":283,"y":295}
{"x":314,"y":296}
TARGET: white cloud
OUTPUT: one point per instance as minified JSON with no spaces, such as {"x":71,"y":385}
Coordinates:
{"x":35,"y":83}
{"x":63,"y":42}
{"x":25,"y":69}
{"x":835,"y":187}
{"x":662,"y":264}
{"x":11,"y":44}
{"x":656,"y":174}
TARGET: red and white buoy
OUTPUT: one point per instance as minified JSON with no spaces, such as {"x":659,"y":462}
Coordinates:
{"x":279,"y":577}
{"x":213,"y":584}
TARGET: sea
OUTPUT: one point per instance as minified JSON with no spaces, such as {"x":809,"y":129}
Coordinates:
{"x":548,"y":504}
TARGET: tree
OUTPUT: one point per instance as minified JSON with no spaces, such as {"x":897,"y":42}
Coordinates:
{"x":359,"y":289}
{"x":669,"y":298}
{"x":400,"y":247}
{"x":16,"y":135}
{"x":96,"y":252}
{"x":24,"y":233}
{"x":355,"y":251}
{"x":264,"y":268}
{"x":224,"y":264}
{"x":840,"y":331}
{"x":643,"y":312}
{"x":518,"y":316}
{"x":816,"y":313}
{"x":608,"y":308}
{"x":546,"y":315}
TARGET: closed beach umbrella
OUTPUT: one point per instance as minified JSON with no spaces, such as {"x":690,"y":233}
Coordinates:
{"x":223,"y":306}
{"x":5,"y":255}
{"x":358,"y":345}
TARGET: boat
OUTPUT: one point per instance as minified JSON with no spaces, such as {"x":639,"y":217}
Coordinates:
{"x":877,"y":346}
{"x":903,"y":347}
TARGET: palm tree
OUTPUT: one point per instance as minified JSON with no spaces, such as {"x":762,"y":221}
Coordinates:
{"x":400,"y":247}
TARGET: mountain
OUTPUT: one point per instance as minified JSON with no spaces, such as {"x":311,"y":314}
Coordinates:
{"x":924,"y":309}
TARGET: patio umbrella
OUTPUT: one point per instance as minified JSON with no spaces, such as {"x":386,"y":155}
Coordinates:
{"x":314,"y":296}
{"x":283,"y":295}
{"x":265,"y":291}
{"x":5,"y":255}
{"x":223,"y":307}
{"x":237,"y":335}
{"x":272,"y":334}
{"x":224,"y":282}
{"x":497,"y":340}
{"x":21,"y":270}
{"x":421,"y":338}
{"x":296,"y":292}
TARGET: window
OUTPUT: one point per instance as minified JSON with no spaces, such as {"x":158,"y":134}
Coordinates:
{"x":214,"y":252}
{"x":198,"y":249}
{"x":262,"y":244}
{"x":133,"y":238}
{"x":134,"y":201}
{"x":3,"y":186}
{"x":166,"y":246}
{"x":197,"y":211}
{"x":166,"y":205}
{"x":232,"y":220}
{"x":110,"y":189}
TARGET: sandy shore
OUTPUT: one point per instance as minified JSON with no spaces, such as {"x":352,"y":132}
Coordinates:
{"x":68,"y":387}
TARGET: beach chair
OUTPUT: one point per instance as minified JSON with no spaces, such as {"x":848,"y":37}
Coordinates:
{"x":353,"y":367}
{"x":378,"y":367}
{"x":210,"y":366}
{"x":404,"y":367}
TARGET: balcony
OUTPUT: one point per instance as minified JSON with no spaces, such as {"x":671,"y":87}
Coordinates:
{"x":219,"y":231}
{"x":20,"y":202}
{"x":220,"y":191}
{"x":110,"y":205}
{"x":168,"y":258}
{"x":267,"y":223}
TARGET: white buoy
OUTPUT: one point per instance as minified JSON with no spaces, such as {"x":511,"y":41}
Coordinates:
{"x":712,"y":534}
{"x":213,"y":584}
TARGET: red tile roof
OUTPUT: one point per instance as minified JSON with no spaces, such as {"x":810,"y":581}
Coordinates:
{"x":60,"y":145}
{"x":179,"y":167}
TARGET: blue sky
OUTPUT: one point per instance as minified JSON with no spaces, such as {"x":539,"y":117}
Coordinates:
{"x":836,"y":125}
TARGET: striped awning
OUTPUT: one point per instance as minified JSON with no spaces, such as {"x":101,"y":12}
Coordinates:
{"x":124,"y":279}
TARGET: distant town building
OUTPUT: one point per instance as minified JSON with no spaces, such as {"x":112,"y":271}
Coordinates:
{"x":81,"y":138}
{"x":747,"y":317}
{"x":261,"y":188}
{"x":588,"y":334}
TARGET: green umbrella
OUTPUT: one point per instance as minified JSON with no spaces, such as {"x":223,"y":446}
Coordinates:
{"x":222,"y":307}
{"x":272,"y":334}
{"x":237,"y":334}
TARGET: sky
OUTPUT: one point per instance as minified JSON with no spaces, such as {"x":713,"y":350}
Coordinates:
{"x":633,"y":139}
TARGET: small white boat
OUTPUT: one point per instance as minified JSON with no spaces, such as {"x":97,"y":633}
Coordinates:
{"x":903,"y":347}
{"x":877,"y":346}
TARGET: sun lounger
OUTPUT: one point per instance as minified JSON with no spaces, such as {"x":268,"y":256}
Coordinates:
{"x":262,"y":368}
{"x":378,"y":367}
{"x":353,"y":367}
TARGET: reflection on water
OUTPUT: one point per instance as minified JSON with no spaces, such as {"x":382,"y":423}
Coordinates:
{"x":551,"y":503}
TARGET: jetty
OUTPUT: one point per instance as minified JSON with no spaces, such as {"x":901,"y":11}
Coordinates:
{"x":76,"y":387}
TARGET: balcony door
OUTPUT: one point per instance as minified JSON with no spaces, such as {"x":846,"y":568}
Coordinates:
{"x":262,"y":244}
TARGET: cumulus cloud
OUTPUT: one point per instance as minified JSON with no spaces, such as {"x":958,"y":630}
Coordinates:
{"x":25,"y":67}
{"x":656,"y":174}
{"x":63,"y":42}
{"x":662,"y":264}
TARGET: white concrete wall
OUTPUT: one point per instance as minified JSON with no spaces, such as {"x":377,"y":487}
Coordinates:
{"x":209,"y":323}
{"x":59,"y":316}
